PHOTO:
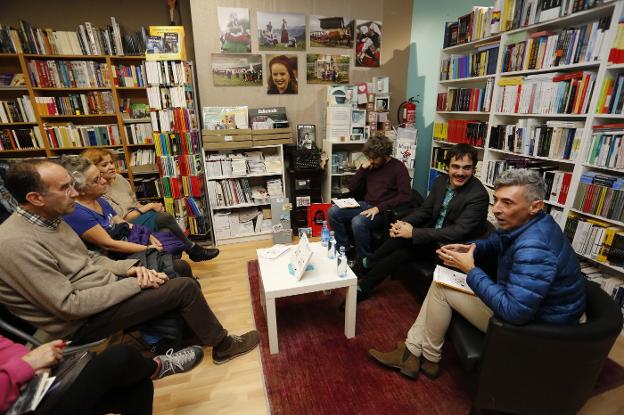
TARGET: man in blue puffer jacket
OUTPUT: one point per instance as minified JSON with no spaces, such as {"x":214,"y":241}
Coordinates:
{"x":539,"y":277}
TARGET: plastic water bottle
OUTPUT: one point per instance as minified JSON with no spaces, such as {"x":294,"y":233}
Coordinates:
{"x":331,"y":252}
{"x":324,"y":234}
{"x":342,"y":263}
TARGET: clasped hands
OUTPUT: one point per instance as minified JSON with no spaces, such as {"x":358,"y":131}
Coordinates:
{"x":400,"y":229}
{"x":148,"y":278}
{"x":460,"y":256}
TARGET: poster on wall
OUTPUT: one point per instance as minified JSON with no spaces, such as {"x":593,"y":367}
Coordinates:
{"x":331,"y":32}
{"x":281,"y":31}
{"x":327,"y":69}
{"x":282,"y":74}
{"x":368,"y":43}
{"x":236,"y":69}
{"x":234,"y":29}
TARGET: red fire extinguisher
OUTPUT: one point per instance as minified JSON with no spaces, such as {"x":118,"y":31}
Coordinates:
{"x":407,"y":111}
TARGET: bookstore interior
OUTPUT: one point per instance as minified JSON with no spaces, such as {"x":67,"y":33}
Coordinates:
{"x":247,"y":128}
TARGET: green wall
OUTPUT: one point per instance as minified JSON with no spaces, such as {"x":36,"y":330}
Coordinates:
{"x":428,"y":19}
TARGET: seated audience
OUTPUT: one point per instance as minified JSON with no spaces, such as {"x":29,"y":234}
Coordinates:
{"x":99,"y":225}
{"x":118,"y":380}
{"x":385,"y":183}
{"x":454,"y":211}
{"x":50,"y":279}
{"x":538,"y":277}
{"x":152,"y":215}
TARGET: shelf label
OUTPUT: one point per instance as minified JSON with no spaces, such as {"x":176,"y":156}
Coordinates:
{"x":228,"y":138}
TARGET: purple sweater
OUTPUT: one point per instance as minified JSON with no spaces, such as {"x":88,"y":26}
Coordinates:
{"x":386,"y":187}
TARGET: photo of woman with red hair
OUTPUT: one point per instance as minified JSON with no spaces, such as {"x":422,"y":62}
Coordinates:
{"x":282,"y":74}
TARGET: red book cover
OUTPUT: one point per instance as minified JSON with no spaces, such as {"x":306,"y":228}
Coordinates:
{"x":565,"y":77}
{"x":565,"y":186}
{"x":317,"y":213}
{"x":518,"y":99}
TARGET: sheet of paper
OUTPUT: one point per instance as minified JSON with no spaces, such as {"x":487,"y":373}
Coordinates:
{"x":346,"y":203}
{"x":451,"y":278}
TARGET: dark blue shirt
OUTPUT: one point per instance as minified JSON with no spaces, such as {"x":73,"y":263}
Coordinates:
{"x":82,"y":218}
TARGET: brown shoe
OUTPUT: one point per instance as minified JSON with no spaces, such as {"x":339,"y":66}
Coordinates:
{"x":239,"y":345}
{"x":400,"y":358}
{"x":430,"y":369}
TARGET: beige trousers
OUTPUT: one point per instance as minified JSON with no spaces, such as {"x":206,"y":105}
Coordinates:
{"x":426,"y":336}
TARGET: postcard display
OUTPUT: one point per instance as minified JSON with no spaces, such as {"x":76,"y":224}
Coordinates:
{"x":354,"y":113}
{"x":244,"y":175}
{"x":171,"y":97}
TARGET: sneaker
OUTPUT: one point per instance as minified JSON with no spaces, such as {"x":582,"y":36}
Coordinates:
{"x":180,"y":361}
{"x":199,"y":253}
{"x":239,"y":346}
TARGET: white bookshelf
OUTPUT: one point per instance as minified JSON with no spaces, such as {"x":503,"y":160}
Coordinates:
{"x":330,"y":147}
{"x":579,"y":165}
{"x":254,"y":179}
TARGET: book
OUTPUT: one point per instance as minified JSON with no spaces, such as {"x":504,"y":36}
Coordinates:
{"x":32,"y":394}
{"x":306,"y":136}
{"x":267,"y":118}
{"x":345,"y":203}
{"x":452,"y":279}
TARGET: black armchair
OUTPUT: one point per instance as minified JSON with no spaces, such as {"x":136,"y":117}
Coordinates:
{"x":544,"y":369}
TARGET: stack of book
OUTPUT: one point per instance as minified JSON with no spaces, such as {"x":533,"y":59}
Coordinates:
{"x":601,"y":194}
{"x":594,"y":238}
{"x":480,"y":63}
{"x":143,"y":157}
{"x":616,"y":54}
{"x":17,"y":110}
{"x":606,"y":148}
{"x":494,"y":168}
{"x":140,"y":133}
{"x":129,"y":75}
{"x":46,"y":73}
{"x":473,"y":26}
{"x":611,"y":97}
{"x":557,"y":186}
{"x":461,"y":131}
{"x":20,"y":138}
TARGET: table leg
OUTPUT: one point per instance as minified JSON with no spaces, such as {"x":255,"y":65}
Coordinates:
{"x":350,"y":311}
{"x":272,"y":325}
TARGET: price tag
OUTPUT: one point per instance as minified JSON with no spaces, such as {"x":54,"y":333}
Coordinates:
{"x":228,"y":138}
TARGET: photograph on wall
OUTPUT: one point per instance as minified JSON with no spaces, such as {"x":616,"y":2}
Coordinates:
{"x":236,"y":70}
{"x":368,"y":43}
{"x":281,"y":31}
{"x":234,"y":29}
{"x":327,"y":69}
{"x":282,"y":74}
{"x":331,"y":32}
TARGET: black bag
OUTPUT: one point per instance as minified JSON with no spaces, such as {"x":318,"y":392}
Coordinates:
{"x":159,"y":261}
{"x":305,"y":159}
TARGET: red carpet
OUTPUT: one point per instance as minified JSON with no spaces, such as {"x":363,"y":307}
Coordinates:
{"x":319,"y":371}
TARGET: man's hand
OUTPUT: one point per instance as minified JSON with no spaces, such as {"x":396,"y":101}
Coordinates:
{"x":463,"y":248}
{"x":366,"y":164}
{"x":463,"y":261}
{"x":148,"y":278}
{"x":401,"y":229}
{"x":45,"y":356}
{"x":370,"y":213}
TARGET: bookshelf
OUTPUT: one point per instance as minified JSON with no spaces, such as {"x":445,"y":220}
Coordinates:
{"x":240,"y":182}
{"x":579,"y":112}
{"x":336,"y":181}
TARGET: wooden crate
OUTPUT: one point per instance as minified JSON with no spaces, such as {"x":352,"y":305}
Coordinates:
{"x":226,"y":139}
{"x":272,"y":136}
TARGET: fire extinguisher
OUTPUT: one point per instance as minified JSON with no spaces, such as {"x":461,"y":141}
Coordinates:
{"x":406,"y":113}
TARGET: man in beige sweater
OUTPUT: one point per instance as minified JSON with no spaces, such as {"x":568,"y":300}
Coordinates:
{"x":50,"y":279}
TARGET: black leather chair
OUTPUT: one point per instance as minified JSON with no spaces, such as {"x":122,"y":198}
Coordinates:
{"x":544,"y":369}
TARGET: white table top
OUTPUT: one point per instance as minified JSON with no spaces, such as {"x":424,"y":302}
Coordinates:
{"x":278,"y":282}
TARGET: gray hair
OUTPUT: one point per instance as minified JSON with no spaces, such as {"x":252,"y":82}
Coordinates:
{"x":534,"y":185}
{"x":77,"y":167}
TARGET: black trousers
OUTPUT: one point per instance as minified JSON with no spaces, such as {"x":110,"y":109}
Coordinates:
{"x":118,"y":381}
{"x":164,"y":221}
{"x":393,"y":253}
{"x":180,"y":295}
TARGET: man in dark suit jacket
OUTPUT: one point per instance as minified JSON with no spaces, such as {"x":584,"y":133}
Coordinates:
{"x":455,"y":210}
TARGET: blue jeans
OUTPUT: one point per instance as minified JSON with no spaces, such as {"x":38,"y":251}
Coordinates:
{"x":360,"y":225}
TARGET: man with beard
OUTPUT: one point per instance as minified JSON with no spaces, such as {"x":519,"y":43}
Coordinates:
{"x":454,"y":211}
{"x":385,"y":183}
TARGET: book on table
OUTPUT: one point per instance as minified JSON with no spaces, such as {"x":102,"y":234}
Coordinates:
{"x":452,"y":279}
{"x":346,"y":203}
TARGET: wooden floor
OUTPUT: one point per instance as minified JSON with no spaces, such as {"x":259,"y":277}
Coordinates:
{"x":237,"y":387}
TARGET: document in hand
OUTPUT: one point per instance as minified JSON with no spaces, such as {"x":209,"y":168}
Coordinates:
{"x":346,"y":203}
{"x":451,"y":278}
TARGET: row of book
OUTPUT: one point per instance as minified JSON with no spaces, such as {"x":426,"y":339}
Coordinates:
{"x":241,"y":164}
{"x":20,"y":138}
{"x":139,"y":133}
{"x":240,"y":223}
{"x":170,"y":97}
{"x":229,"y":192}
{"x":173,"y":119}
{"x":88,"y":39}
{"x":611,"y":284}
{"x":547,"y":49}
{"x":145,"y":187}
{"x":142,"y":157}
{"x":129,"y":75}
{"x":616,"y":53}
{"x":480,"y":63}
{"x":183,"y":164}
{"x":438,"y":158}
{"x":494,"y":168}
{"x":119,"y":160}
{"x":172,"y":143}
{"x":550,"y":93}
{"x":461,"y":131}
{"x":465,"y":99}
{"x":182,"y":186}
{"x":555,"y":140}
{"x":611,"y":96}
{"x":94,"y":102}
{"x":47,"y":73}
{"x":607,"y":147}
{"x":601,"y":194}
{"x":63,"y":135}
{"x":15,"y":110}
{"x":507,"y":15}
{"x":168,"y":73}
{"x":595,"y":239}
{"x":557,"y":185}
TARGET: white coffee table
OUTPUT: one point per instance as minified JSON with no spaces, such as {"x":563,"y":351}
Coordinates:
{"x":276,"y":282}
